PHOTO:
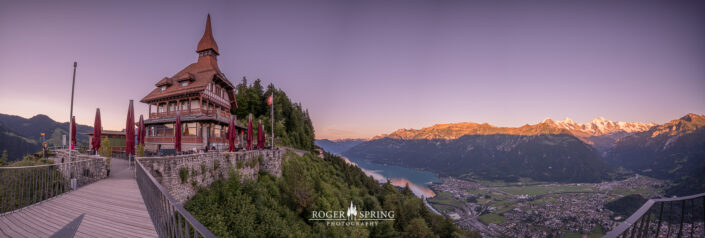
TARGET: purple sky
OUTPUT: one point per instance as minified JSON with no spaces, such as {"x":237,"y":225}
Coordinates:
{"x":363,"y":68}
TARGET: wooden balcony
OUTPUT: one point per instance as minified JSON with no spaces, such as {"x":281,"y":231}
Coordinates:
{"x":222,"y":113}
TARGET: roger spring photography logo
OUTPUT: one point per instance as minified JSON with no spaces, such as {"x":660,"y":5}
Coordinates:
{"x":352,"y":217}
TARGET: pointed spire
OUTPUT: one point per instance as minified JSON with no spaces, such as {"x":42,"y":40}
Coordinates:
{"x":207,"y":42}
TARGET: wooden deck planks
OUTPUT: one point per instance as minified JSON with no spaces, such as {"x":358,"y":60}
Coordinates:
{"x":113,"y":208}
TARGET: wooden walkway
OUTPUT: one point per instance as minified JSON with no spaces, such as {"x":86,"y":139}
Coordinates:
{"x":113,"y":207}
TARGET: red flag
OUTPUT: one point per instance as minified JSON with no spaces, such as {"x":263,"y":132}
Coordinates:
{"x":270,"y":99}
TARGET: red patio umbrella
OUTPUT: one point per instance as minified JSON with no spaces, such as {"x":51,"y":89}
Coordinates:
{"x":97,"y":131}
{"x":73,"y":132}
{"x":177,"y":133}
{"x":130,"y":131}
{"x":141,"y":131}
{"x":249,"y":133}
{"x":231,"y":134}
{"x":260,"y":135}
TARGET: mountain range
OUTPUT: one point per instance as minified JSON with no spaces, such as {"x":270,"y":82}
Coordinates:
{"x":338,"y":146}
{"x":22,"y":136}
{"x":563,"y":151}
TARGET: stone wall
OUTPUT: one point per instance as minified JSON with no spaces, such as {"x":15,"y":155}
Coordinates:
{"x":86,"y":168}
{"x":182,"y":175}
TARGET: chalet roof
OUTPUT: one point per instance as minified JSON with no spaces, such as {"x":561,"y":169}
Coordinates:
{"x":164,"y":82}
{"x":207,"y":41}
{"x":199,"y":75}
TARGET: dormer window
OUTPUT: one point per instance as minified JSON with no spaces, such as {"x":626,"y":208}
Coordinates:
{"x":163,"y":88}
{"x":184,"y":83}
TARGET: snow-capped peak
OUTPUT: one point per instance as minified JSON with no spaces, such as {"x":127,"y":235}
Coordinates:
{"x":547,"y":120}
{"x":568,"y":120}
{"x":601,"y":126}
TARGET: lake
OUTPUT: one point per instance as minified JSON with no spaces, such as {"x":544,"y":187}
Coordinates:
{"x":399,"y":176}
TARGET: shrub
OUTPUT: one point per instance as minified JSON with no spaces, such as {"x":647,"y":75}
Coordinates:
{"x":183,"y":174}
{"x":140,"y":151}
{"x":239,"y":165}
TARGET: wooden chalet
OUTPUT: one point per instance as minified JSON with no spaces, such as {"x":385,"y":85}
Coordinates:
{"x":201,"y":94}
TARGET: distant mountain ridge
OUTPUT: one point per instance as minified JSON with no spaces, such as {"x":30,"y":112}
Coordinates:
{"x":338,"y":146}
{"x":597,"y":127}
{"x":674,"y":151}
{"x":21,"y":136}
{"x":550,"y":150}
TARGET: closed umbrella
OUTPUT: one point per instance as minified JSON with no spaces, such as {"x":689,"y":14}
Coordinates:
{"x":260,"y":135}
{"x":97,"y":131}
{"x":130,"y":131}
{"x":177,"y":133}
{"x":231,"y":134}
{"x":141,"y":131}
{"x":73,"y":132}
{"x":249,"y":133}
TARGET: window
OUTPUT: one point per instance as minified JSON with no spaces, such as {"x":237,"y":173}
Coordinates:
{"x":162,"y":130}
{"x":163,"y":88}
{"x":161,"y":108}
{"x":195,"y":104}
{"x":172,"y":106}
{"x":169,"y":129}
{"x":218,"y":131}
{"x":184,"y":105}
{"x":184,"y":83}
{"x":190,"y":129}
{"x":151,"y":131}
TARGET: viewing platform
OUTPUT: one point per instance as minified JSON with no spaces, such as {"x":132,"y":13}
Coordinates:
{"x":112,"y":207}
{"x":140,"y":198}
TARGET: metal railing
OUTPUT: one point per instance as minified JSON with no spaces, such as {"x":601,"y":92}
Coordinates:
{"x":169,"y":217}
{"x":27,"y":185}
{"x":684,"y":218}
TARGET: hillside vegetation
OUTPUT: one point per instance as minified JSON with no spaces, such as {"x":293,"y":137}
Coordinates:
{"x":281,"y":207}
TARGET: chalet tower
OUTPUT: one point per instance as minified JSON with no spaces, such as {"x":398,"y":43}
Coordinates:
{"x":201,"y":94}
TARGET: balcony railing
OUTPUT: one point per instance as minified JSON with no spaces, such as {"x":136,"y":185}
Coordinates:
{"x":223,"y":113}
{"x":665,"y":217}
{"x":170,"y":219}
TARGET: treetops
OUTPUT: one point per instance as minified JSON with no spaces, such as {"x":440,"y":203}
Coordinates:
{"x":292,"y":123}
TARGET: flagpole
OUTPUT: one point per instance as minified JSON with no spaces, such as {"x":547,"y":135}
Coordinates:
{"x":272,"y":119}
{"x":73,"y":85}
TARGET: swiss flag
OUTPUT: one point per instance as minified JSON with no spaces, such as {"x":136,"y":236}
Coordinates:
{"x":270,"y":99}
